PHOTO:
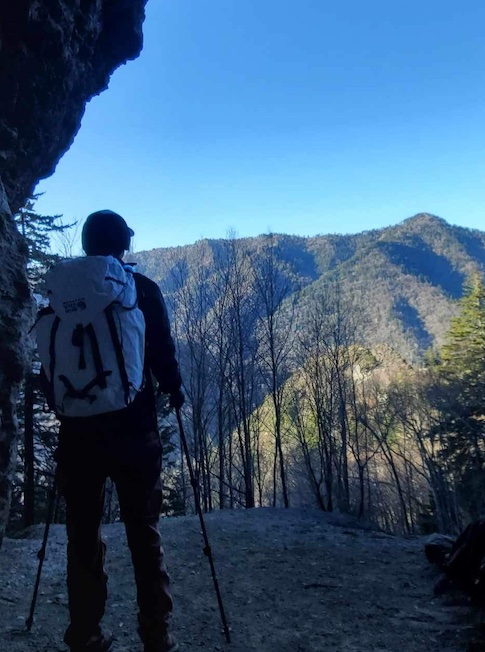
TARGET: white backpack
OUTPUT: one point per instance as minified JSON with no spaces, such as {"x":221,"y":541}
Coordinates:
{"x":91,"y":340}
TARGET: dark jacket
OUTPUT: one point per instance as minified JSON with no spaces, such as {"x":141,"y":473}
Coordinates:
{"x":159,"y":347}
{"x":160,"y":366}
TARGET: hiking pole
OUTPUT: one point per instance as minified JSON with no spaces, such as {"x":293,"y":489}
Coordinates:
{"x":41,"y":553}
{"x":207,"y":548}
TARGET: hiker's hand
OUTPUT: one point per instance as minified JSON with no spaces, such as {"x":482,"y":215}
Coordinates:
{"x":177,"y":399}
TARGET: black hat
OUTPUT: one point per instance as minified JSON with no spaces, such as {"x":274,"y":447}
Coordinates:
{"x":106,"y":233}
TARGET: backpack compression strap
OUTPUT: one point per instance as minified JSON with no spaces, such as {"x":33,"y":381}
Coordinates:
{"x":78,"y":340}
{"x":84,"y":392}
{"x":118,"y":352}
{"x":101,"y":374}
{"x":98,"y":363}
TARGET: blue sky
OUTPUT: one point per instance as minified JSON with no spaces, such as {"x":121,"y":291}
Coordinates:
{"x":295,"y":116}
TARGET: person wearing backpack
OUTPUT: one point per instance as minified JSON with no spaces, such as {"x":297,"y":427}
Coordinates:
{"x":107,"y":352}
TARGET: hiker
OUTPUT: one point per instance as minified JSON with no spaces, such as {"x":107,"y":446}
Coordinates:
{"x":107,"y":353}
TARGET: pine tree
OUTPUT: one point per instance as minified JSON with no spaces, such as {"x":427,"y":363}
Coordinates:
{"x":463,"y":354}
{"x":459,"y":397}
{"x":37,"y":231}
{"x":34,"y":476}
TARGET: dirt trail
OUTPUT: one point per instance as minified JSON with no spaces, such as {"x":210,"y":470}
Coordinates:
{"x":292,"y":581}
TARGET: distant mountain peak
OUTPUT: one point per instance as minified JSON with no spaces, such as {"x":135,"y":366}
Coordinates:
{"x":406,"y":276}
{"x":425,"y":217}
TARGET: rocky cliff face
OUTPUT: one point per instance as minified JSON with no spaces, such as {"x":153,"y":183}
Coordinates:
{"x":14,"y":320}
{"x":54,"y":56}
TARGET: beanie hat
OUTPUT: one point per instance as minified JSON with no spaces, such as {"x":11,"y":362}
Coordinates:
{"x":105,"y":233}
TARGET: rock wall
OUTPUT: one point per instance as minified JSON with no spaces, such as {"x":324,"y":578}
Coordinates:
{"x":15,"y":315}
{"x":54,"y":56}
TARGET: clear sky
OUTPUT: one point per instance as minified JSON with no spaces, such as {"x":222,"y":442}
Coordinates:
{"x":295,"y":116}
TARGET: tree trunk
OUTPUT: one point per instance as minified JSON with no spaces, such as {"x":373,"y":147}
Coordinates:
{"x":361,"y":491}
{"x":344,"y":452}
{"x":275,"y":467}
{"x":279,"y":448}
{"x":229,"y":475}
{"x":29,"y":456}
{"x":207,"y":475}
{"x":220,"y":428}
{"x":248,"y":469}
{"x":8,"y":458}
{"x":388,"y":455}
{"x":182,"y":475}
{"x":284,"y":487}
{"x":15,"y":314}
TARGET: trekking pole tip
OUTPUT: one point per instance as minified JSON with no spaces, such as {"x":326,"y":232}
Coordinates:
{"x":227,"y":634}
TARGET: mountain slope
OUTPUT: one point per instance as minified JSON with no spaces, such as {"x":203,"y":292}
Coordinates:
{"x":405,"y":278}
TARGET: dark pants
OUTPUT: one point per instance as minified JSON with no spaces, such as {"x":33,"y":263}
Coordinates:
{"x":89,"y":452}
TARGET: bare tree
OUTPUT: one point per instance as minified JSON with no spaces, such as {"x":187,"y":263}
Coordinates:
{"x":317,"y":432}
{"x":362,"y":444}
{"x":381,"y":419}
{"x":220,"y":348}
{"x":242,"y":315}
{"x":192,"y":310}
{"x":419,"y":418}
{"x":273,"y":289}
{"x":66,"y":240}
{"x":311,"y":443}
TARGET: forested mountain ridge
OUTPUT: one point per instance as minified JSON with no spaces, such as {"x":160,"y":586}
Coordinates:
{"x":298,"y":357}
{"x":405,"y":278}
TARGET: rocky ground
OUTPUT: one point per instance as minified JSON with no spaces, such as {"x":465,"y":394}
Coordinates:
{"x":292,"y":581}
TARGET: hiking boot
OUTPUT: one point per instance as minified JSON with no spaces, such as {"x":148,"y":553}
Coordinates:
{"x":165,"y":643}
{"x":98,"y":643}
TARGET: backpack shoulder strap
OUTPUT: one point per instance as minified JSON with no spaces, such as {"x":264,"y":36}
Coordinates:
{"x":146,"y":290}
{"x":140,"y":285}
